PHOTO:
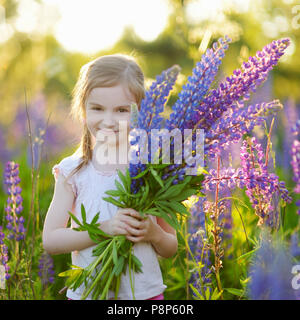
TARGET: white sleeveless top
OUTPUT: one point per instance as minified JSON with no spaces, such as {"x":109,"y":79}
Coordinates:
{"x":89,"y":186}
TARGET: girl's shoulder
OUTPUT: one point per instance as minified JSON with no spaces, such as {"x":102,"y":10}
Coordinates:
{"x":67,"y":164}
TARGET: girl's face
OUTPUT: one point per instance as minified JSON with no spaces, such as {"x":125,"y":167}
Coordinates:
{"x":105,"y":107}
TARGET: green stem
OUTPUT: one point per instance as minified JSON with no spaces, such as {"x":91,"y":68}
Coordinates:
{"x":97,"y":260}
{"x":84,"y":296}
{"x":219,"y":285}
{"x":117,"y":286}
{"x":131,"y":285}
{"x":107,"y":285}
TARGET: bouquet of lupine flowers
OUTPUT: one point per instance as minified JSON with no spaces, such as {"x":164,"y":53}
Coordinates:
{"x":159,"y":188}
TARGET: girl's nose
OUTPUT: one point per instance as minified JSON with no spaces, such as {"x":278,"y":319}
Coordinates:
{"x":108,"y":121}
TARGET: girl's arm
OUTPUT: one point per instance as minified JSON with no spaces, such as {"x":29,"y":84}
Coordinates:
{"x":57,"y":238}
{"x":165,"y":239}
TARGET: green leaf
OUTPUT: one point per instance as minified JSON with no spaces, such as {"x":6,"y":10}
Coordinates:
{"x":156,"y":177}
{"x":141,"y":174}
{"x":113,"y":201}
{"x":145,"y":194}
{"x":196,"y":292}
{"x":246,"y":255}
{"x":137,"y":263}
{"x":115,"y":254}
{"x":95,"y":219}
{"x":172,"y":192}
{"x":184,"y":195}
{"x":100,"y":247}
{"x":124,"y":180}
{"x":167,"y":185}
{"x":216,"y":294}
{"x":75,"y":219}
{"x":83,"y":213}
{"x":114,"y":193}
{"x":234,"y":291}
{"x":72,"y":275}
{"x":119,"y":186}
{"x":128,"y":178}
{"x":119,"y":266}
{"x":177,"y":207}
{"x":152,"y":211}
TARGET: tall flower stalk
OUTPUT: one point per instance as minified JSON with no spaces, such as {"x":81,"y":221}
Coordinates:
{"x":15,"y":222}
{"x":4,"y":254}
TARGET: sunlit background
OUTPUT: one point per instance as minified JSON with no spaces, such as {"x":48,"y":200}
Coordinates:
{"x":89,"y":26}
{"x":44,"y":43}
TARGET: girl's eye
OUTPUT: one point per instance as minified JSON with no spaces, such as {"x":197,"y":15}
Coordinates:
{"x":96,"y":108}
{"x":123,"y":110}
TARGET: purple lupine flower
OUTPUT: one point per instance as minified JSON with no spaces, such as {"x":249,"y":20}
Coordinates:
{"x":295,"y":162}
{"x":155,"y":98}
{"x":15,"y":222}
{"x":239,"y":85}
{"x":252,"y":174}
{"x":270,"y":271}
{"x":228,"y":101}
{"x":149,"y":117}
{"x":198,"y":245}
{"x":46,"y":269}
{"x":289,"y":118}
{"x":235,"y":122}
{"x":4,"y":254}
{"x":197,"y":86}
{"x":295,"y":245}
{"x":260,"y":185}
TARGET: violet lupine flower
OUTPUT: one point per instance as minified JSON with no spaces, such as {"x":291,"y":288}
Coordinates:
{"x":15,"y":222}
{"x":252,"y":174}
{"x":155,"y":98}
{"x":260,"y":185}
{"x":148,"y":117}
{"x":4,"y":254}
{"x":295,"y":245}
{"x":235,"y":122}
{"x":239,"y":85}
{"x":270,"y":272}
{"x":46,"y":267}
{"x":229,"y":178}
{"x":295,"y":162}
{"x":197,"y":86}
{"x":289,"y":119}
{"x":198,"y":245}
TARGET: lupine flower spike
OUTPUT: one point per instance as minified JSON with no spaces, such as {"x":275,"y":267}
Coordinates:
{"x":15,"y":222}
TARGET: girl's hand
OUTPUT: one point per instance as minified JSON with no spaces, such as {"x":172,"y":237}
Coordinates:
{"x":118,"y":225}
{"x":140,"y":229}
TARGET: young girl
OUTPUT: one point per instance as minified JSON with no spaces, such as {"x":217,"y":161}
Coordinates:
{"x":101,"y":99}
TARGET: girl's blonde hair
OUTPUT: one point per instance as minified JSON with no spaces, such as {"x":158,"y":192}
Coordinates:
{"x":105,"y":71}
